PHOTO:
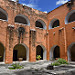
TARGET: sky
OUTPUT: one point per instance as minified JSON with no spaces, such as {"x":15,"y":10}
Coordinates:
{"x":43,"y":5}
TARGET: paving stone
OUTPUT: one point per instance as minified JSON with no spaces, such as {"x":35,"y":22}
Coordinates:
{"x":38,"y":69}
{"x":4,"y":74}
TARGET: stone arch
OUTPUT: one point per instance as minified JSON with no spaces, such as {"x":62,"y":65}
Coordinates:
{"x":54,"y":23}
{"x":70,"y":52}
{"x":3,"y":14}
{"x":44,"y":51}
{"x":40,"y":24}
{"x":56,"y":54}
{"x":70,"y":17}
{"x":22,"y":19}
{"x":2,"y":52}
{"x":26,"y":58}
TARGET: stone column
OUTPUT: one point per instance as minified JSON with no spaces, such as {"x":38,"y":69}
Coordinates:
{"x":9,"y":44}
{"x":32,"y":46}
{"x":47,"y":45}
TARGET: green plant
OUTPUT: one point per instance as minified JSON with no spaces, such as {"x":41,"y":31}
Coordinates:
{"x":55,"y":64}
{"x":38,"y":57}
{"x":16,"y":66}
{"x":62,"y":61}
{"x":58,"y":62}
{"x":0,"y":56}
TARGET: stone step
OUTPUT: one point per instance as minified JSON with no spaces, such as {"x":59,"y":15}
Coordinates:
{"x":73,"y":63}
{"x":27,"y":63}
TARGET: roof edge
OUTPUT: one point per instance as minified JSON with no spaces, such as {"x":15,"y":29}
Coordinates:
{"x":58,"y":7}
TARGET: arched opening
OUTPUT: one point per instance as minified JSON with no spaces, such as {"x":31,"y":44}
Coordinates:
{"x":22,"y":19}
{"x":3,"y":14}
{"x":55,"y":52}
{"x":71,"y":52}
{"x":40,"y":50}
{"x":70,"y":17}
{"x":54,"y":23}
{"x":1,"y":52}
{"x":40,"y":24}
{"x":20,"y":51}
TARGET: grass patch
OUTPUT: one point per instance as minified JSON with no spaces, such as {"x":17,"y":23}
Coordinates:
{"x":16,"y":66}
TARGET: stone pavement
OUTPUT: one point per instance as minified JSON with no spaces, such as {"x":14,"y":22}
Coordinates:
{"x":25,"y":71}
{"x":38,"y":68}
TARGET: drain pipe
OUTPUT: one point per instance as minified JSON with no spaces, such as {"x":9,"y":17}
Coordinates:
{"x":65,"y":40}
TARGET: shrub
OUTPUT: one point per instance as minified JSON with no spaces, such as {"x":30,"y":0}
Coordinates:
{"x":55,"y":64}
{"x":58,"y":62}
{"x":16,"y":66}
{"x":38,"y":57}
{"x":62,"y":61}
{"x":0,"y":56}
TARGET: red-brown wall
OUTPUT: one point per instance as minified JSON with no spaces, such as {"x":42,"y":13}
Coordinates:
{"x":46,"y":38}
{"x":66,"y":36}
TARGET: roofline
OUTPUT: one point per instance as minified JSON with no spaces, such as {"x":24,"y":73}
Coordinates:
{"x":39,"y":10}
{"x":26,"y":6}
{"x":58,"y":7}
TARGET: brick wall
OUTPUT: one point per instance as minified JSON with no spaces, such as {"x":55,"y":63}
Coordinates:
{"x":62,"y":36}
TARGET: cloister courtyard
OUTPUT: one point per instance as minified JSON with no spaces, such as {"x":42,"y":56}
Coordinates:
{"x":33,"y":42}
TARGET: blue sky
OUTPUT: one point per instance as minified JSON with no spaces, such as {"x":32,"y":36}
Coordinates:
{"x":43,"y":5}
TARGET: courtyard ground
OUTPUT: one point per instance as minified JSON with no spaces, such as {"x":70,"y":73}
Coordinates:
{"x":38,"y":68}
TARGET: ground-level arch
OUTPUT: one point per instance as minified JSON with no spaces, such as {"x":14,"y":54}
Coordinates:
{"x":55,"y":52}
{"x":20,"y":51}
{"x":71,"y":52}
{"x":2,"y":52}
{"x":41,"y":50}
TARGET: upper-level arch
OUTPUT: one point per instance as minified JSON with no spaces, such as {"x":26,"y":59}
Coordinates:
{"x":54,"y":23}
{"x":3,"y":14}
{"x":22,"y":19}
{"x":70,"y":17}
{"x":40,"y":24}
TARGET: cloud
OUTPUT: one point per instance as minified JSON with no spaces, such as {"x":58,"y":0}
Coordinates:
{"x":45,"y":11}
{"x":32,"y":4}
{"x":61,"y":2}
{"x":14,"y":0}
